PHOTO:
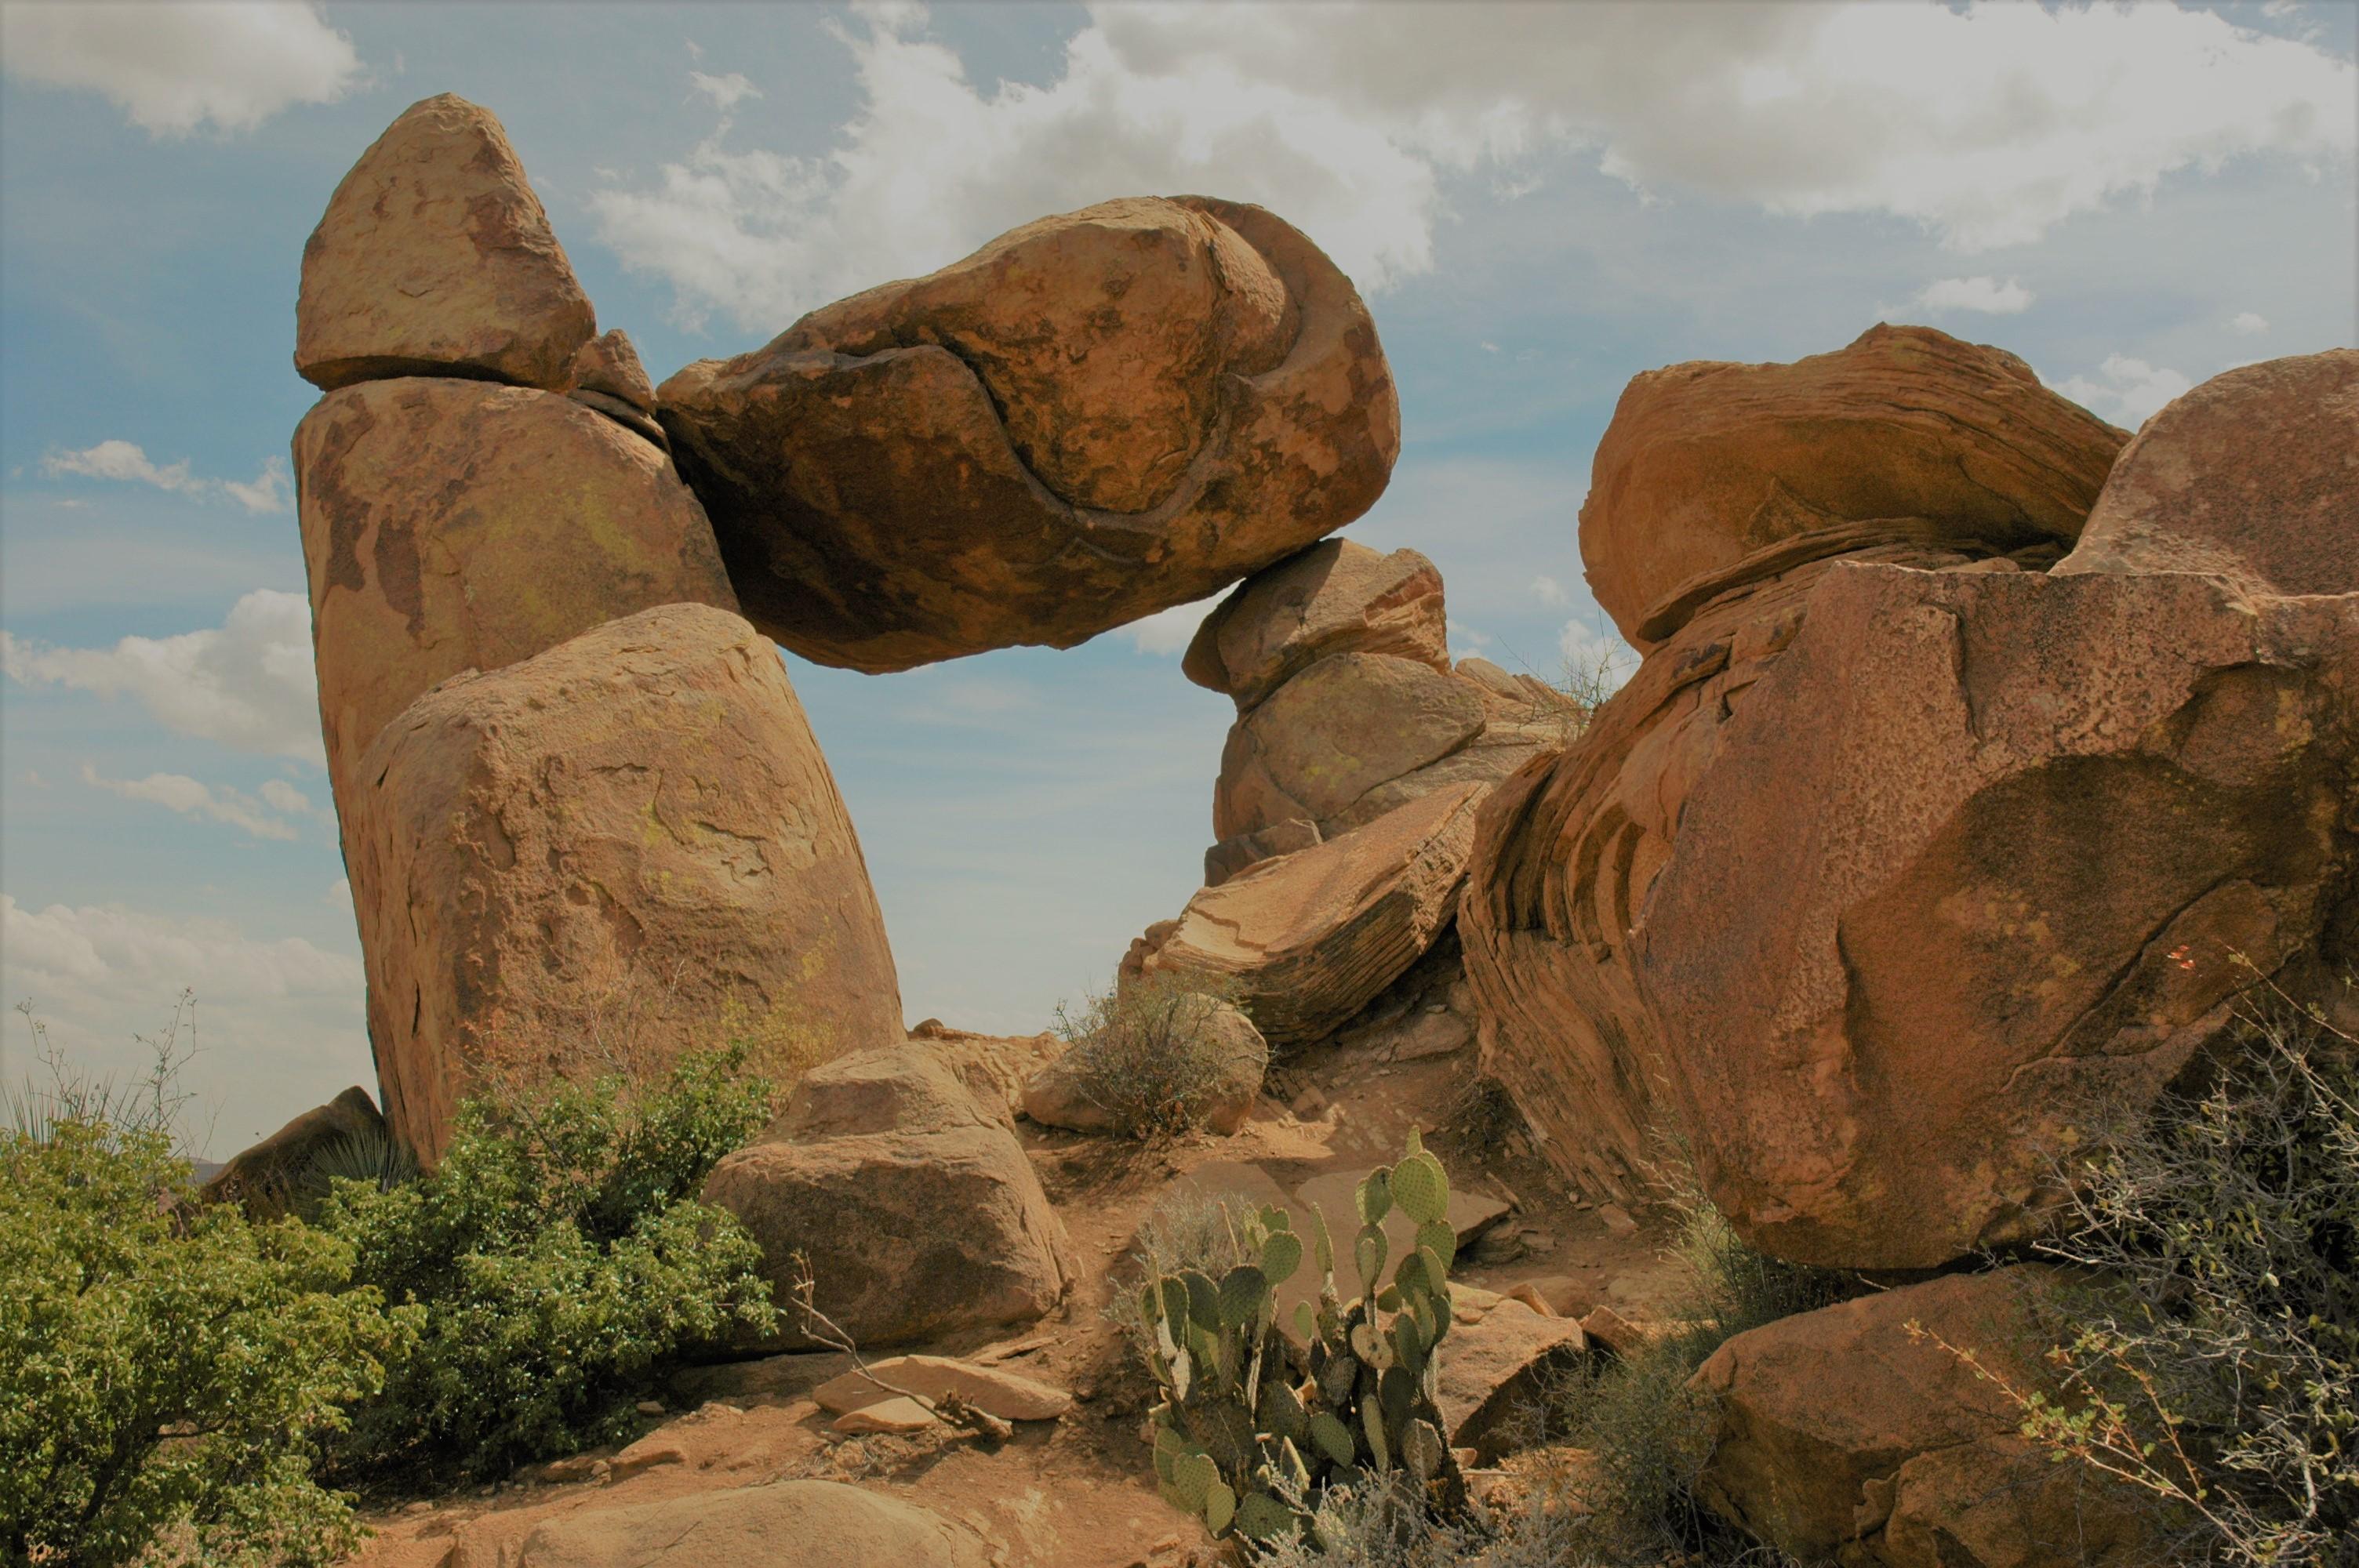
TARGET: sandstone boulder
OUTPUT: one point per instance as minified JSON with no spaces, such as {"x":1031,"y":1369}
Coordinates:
{"x":1306,"y":940}
{"x":916,"y":1211}
{"x":1923,"y":932}
{"x":607,"y":376}
{"x":599,"y":856}
{"x":1072,"y":1090}
{"x":452,"y":525}
{"x":1842,"y":1433}
{"x":811,"y":1524}
{"x":1095,"y":416}
{"x":1496,"y":1366}
{"x":1339,"y":730}
{"x":1230,"y":856}
{"x":1907,"y":435}
{"x":1336,"y":597}
{"x":435,"y":258}
{"x":2254,"y":476}
{"x":266,"y":1175}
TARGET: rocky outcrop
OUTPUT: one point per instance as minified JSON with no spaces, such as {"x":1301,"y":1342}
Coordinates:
{"x":451,"y":526}
{"x":435,"y":258}
{"x":2253,"y":476}
{"x":1071,"y":1091}
{"x":604,"y":855}
{"x":916,"y":1210}
{"x":265,"y":1177}
{"x":607,"y":376}
{"x":830,"y":1524}
{"x":1843,"y":1434}
{"x":1337,"y":597}
{"x":1907,"y":435}
{"x":1303,"y":942}
{"x":1095,"y":416}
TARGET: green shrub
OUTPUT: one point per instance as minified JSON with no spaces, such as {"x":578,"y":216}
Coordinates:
{"x":559,"y":1265}
{"x":168,"y":1370}
{"x":1185,"y":1229}
{"x":1156,"y":1056}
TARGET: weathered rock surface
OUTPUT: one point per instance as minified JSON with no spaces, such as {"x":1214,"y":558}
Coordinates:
{"x":1336,"y":597}
{"x":994,"y":1067}
{"x":1493,"y":1367}
{"x":1096,"y":417}
{"x":452,"y":526}
{"x":996,"y":1391}
{"x":1230,"y":856}
{"x":632,"y":835}
{"x":435,"y":258}
{"x":1908,"y":430}
{"x":1840,"y":1432}
{"x":813,"y":1524}
{"x":607,"y":377}
{"x":917,"y":1212}
{"x":1922,"y":932}
{"x":1308,"y":939}
{"x":263,"y":1177}
{"x":1064,"y":1091}
{"x":2254,"y":475}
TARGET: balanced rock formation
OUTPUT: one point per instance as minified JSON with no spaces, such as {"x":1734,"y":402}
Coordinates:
{"x":1336,"y":597}
{"x":451,"y":526}
{"x":607,"y":376}
{"x":1303,"y":942}
{"x":1095,"y":416}
{"x":1905,"y":435}
{"x":435,"y":258}
{"x":915,"y":1209}
{"x":1843,"y":1435}
{"x":637,"y":819}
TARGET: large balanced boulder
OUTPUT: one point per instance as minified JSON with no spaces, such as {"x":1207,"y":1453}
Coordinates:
{"x":913,"y":1208}
{"x":1848,"y":1433}
{"x":2254,"y":475}
{"x":452,"y":525}
{"x":1337,"y":597}
{"x":1907,"y":434}
{"x":1304,"y":941}
{"x":435,"y":258}
{"x":811,"y":1524}
{"x":597,"y":858}
{"x":1095,"y":416}
{"x":1978,"y":869}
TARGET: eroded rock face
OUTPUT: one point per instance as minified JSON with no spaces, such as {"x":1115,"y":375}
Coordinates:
{"x":1096,"y":417}
{"x":451,"y":526}
{"x":916,"y":1210}
{"x":2254,"y":475}
{"x":435,"y":258}
{"x":1841,"y":1435}
{"x":636,"y":820}
{"x":1308,"y":939}
{"x":1906,"y":435}
{"x":830,"y":1524}
{"x":1336,"y":597}
{"x":1922,"y":932}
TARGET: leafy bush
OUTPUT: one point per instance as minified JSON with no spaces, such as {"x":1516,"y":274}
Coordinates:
{"x":2227,"y":1387}
{"x":559,"y":1263}
{"x":1185,"y":1229}
{"x":168,"y":1370}
{"x":1154,"y":1054}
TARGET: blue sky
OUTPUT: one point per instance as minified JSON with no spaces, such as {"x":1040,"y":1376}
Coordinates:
{"x":1539,"y":202}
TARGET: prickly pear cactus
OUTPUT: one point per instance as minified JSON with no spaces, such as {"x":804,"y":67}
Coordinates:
{"x":1252,"y":1425}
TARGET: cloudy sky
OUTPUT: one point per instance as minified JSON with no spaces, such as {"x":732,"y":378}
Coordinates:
{"x":1539,"y":201}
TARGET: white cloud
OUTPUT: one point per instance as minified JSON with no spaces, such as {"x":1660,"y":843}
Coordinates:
{"x":726,"y":91}
{"x":175,"y":65}
{"x":2126,"y":391}
{"x":247,"y":684}
{"x":281,"y":1021}
{"x":2248,"y":323}
{"x":1984,"y":126}
{"x":190,"y":798}
{"x":1548,"y":590}
{"x":128,"y":462}
{"x":285,"y":796}
{"x":1170,"y":631}
{"x":1984,"y":294}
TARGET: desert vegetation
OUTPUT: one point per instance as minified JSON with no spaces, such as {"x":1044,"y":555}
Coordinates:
{"x":1161,"y":1055}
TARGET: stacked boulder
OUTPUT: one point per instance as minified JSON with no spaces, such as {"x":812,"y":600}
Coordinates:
{"x":568,"y":773}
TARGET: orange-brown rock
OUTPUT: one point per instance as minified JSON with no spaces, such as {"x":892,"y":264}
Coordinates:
{"x":1971,"y":872}
{"x":1907,"y":434}
{"x":607,"y":376}
{"x":916,"y":1210}
{"x":597,"y":858}
{"x":813,"y":1524}
{"x":1068,"y":1090}
{"x":1325,"y":738}
{"x":1230,"y":856}
{"x":1336,"y":597}
{"x":1308,"y":939}
{"x":435,"y":258}
{"x":265,"y":1177}
{"x":1096,"y":417}
{"x":453,"y":524}
{"x":1842,"y":1435}
{"x":2254,"y":475}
